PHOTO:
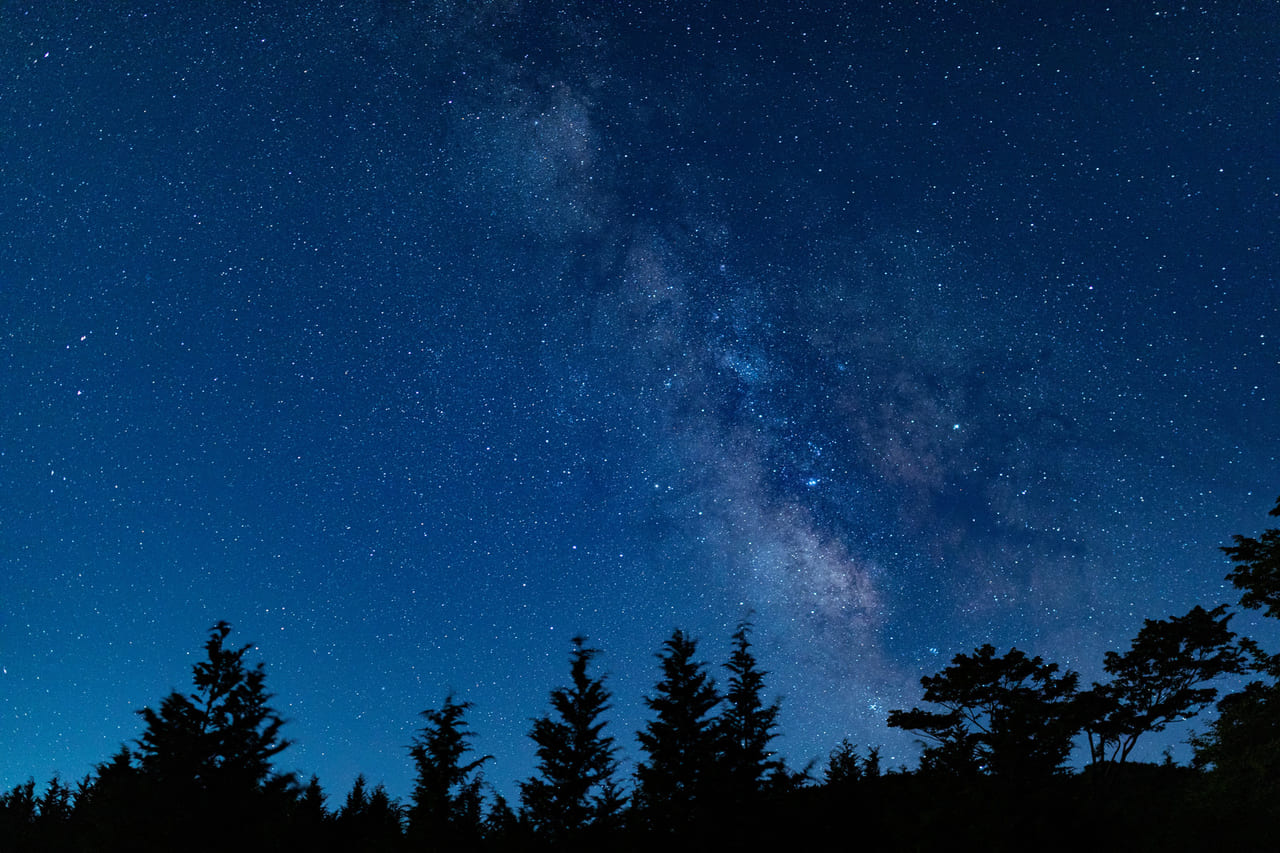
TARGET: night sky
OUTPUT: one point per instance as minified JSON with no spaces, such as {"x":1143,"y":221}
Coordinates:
{"x":414,"y":338}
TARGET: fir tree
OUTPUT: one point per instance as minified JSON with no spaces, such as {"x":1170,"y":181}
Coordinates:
{"x":445,"y":809}
{"x":574,"y":789}
{"x":681,"y":741}
{"x":201,"y":775}
{"x":368,"y":820}
{"x":845,"y":765}
{"x":19,"y":808}
{"x":747,"y":724}
{"x":222,"y":736}
{"x":309,"y":822}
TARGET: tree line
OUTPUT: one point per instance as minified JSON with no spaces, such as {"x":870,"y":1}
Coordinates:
{"x":996,"y":735}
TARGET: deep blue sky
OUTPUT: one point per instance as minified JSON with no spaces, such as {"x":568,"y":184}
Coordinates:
{"x":414,"y":338}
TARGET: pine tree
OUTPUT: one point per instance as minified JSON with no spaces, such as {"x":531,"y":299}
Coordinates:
{"x":368,"y":820}
{"x":845,"y":765}
{"x":19,"y":808}
{"x":110,"y":801}
{"x":221,"y":738}
{"x":747,"y":724}
{"x":310,"y":824}
{"x":574,"y":790}
{"x":201,"y":775}
{"x":502,"y":827}
{"x":445,"y":808}
{"x":681,"y":741}
{"x":357,"y":802}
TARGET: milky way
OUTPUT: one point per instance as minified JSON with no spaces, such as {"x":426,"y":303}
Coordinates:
{"x":413,"y":339}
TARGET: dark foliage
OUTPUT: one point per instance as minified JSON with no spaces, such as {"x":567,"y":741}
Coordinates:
{"x":199,"y":777}
{"x":369,"y":820}
{"x":1257,"y":568}
{"x":1008,"y":716}
{"x":18,"y":813}
{"x":1242,"y":746}
{"x":202,"y":757}
{"x":747,"y":726}
{"x":219,"y":739}
{"x":446,"y":806}
{"x":574,"y":794}
{"x":681,"y":742}
{"x":845,"y":766}
{"x":1160,"y":679}
{"x":310,"y":826}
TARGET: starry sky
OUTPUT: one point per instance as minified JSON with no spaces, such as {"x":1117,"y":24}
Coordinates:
{"x":413,"y":338}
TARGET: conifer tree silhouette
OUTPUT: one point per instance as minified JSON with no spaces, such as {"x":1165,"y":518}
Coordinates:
{"x":357,"y":801}
{"x":681,"y":742}
{"x":503,"y":828}
{"x":18,"y":812}
{"x":746,"y":725}
{"x":200,"y":777}
{"x":220,"y":738}
{"x":845,"y":765}
{"x":310,"y":824}
{"x":369,"y":820}
{"x":574,"y":790}
{"x":108,"y":803}
{"x":445,"y":807}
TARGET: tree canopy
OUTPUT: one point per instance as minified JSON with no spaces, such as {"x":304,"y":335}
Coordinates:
{"x":574,"y":789}
{"x":1242,"y":746}
{"x":1256,"y":572}
{"x":747,"y":725}
{"x":1007,"y":716}
{"x":446,"y":804}
{"x":1159,"y":679}
{"x":200,"y":775}
{"x":224,"y":734}
{"x":681,"y":741}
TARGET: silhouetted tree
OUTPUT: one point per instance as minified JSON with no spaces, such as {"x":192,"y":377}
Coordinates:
{"x":445,"y":807}
{"x":369,"y":820}
{"x":220,"y":738}
{"x":845,"y":765}
{"x":108,"y":805}
{"x":310,"y":823}
{"x":746,"y":725}
{"x":1158,"y":680}
{"x":1256,"y":573}
{"x":311,"y":799}
{"x":201,"y":757}
{"x":574,"y":790}
{"x":1257,"y":568}
{"x":1009,"y":716}
{"x":503,"y":828}
{"x":55,"y":804}
{"x":682,"y":740}
{"x":18,"y":812}
{"x":55,"y":811}
{"x":1242,"y":746}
